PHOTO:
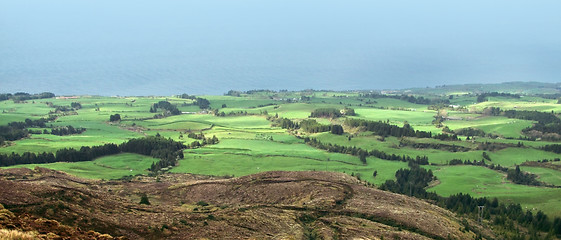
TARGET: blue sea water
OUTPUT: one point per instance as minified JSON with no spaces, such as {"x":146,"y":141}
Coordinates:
{"x":168,"y":47}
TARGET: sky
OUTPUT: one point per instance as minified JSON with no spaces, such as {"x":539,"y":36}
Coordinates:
{"x":162,"y":47}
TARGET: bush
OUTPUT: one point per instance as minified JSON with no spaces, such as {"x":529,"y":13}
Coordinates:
{"x":144,"y":199}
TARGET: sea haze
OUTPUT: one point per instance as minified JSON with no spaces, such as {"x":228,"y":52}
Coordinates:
{"x":168,"y":47}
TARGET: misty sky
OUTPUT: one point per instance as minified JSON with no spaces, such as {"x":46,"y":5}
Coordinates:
{"x":165,"y":47}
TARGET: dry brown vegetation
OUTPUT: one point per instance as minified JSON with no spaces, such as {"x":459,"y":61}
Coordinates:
{"x":271,"y":205}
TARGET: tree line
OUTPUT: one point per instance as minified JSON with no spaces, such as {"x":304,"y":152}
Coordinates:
{"x":169,"y":109}
{"x":218,"y":113}
{"x":446,"y":147}
{"x":515,"y":175}
{"x":18,"y":130}
{"x":556,"y":148}
{"x":326,"y":113}
{"x":59,"y":108}
{"x":483,"y":97}
{"x":308,"y":125}
{"x":413,"y":182}
{"x":385,"y":129}
{"x":409,"y":98}
{"x":362,"y":154}
{"x":66,"y":130}
{"x":519,"y":177}
{"x":167,"y":150}
{"x":548,"y":125}
{"x":197,"y":101}
{"x":23,"y":96}
{"x":540,"y":117}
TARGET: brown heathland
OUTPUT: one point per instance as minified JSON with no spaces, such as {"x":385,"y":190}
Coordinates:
{"x":271,"y":205}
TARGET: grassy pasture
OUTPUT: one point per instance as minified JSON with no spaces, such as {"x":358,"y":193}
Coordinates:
{"x":109,"y":167}
{"x":96,"y":134}
{"x":483,"y":182}
{"x":246,"y":147}
{"x":18,"y":112}
{"x":506,"y":157}
{"x":545,"y":105}
{"x":239,"y":164}
{"x":506,"y":127}
{"x":396,"y":116}
{"x":545,"y":174}
{"x":239,"y":102}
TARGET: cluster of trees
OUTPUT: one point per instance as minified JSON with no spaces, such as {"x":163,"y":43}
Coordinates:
{"x":446,"y":137}
{"x":494,"y":146}
{"x":201,"y":136}
{"x":468,"y":162}
{"x":236,"y":93}
{"x":167,"y":150}
{"x":197,"y":101}
{"x":446,"y":147}
{"x":233,"y":93}
{"x":332,"y":112}
{"x":254,"y":91}
{"x":232,"y":113}
{"x":326,"y":113}
{"x":541,"y":117}
{"x":519,"y":177}
{"x":386,"y":129}
{"x":408,"y":98}
{"x":287,"y":123}
{"x":556,"y":148}
{"x":205,"y":141}
{"x":68,"y":130}
{"x":62,"y":155}
{"x":115,"y":117}
{"x":413,"y":182}
{"x":312,"y":126}
{"x":550,"y":131}
{"x":503,"y":215}
{"x":308,"y":125}
{"x":187,"y":96}
{"x":470,"y":132}
{"x":23,"y":96}
{"x":484,"y":96}
{"x":362,"y":154}
{"x":18,"y":130}
{"x":169,"y":109}
{"x":76,"y":105}
{"x":202,"y":103}
{"x":515,"y":175}
{"x":548,"y":126}
{"x":337,"y":129}
{"x":58,"y":108}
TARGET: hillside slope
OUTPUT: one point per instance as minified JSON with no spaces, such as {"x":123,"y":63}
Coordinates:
{"x":270,"y":205}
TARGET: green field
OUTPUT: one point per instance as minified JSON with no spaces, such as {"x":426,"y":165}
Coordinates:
{"x":252,"y":143}
{"x":503,"y":126}
{"x":483,"y":182}
{"x":110,"y":167}
{"x":545,"y":174}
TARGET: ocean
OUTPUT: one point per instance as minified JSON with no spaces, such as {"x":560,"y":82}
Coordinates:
{"x":170,"y":47}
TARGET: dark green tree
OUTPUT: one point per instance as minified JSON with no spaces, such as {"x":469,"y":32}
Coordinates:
{"x":144,"y":199}
{"x":115,"y":118}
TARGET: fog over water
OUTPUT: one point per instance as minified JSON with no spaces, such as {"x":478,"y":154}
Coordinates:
{"x":168,"y":47}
